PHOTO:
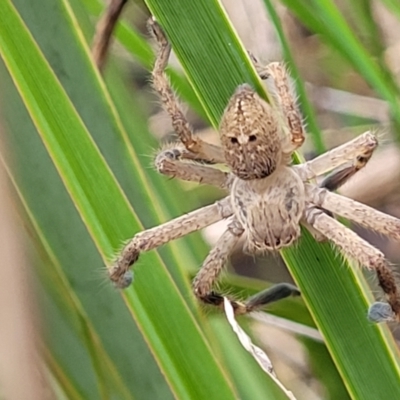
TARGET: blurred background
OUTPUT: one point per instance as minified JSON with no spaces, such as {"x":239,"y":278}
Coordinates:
{"x":51,"y":238}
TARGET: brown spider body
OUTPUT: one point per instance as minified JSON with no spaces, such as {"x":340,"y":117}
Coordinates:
{"x":269,"y":209}
{"x":268,"y":198}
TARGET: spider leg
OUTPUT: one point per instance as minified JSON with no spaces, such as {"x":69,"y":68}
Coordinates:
{"x":274,"y":293}
{"x":280,"y":87}
{"x":339,"y":178}
{"x":147,"y":240}
{"x":206,"y":151}
{"x":353,"y":210}
{"x":260,"y":68}
{"x":208,"y":275}
{"x":336,"y":179}
{"x":214,"y":263}
{"x":279,"y":84}
{"x":104,"y":30}
{"x":171,"y":162}
{"x":358,"y":150}
{"x":364,"y":253}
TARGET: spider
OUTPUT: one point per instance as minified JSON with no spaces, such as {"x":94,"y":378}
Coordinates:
{"x":268,"y":197}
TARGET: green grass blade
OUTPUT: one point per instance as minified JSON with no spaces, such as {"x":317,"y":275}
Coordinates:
{"x":216,"y":63}
{"x":112,"y":333}
{"x":80,"y":165}
{"x":62,"y":228}
{"x":141,"y":51}
{"x":308,"y":112}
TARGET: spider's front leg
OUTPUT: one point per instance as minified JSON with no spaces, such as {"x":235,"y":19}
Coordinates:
{"x":281,"y":88}
{"x":202,"y":150}
{"x":357,"y":151}
{"x":208,"y":275}
{"x":171,"y":162}
{"x":361,"y":251}
{"x":120,"y":273}
{"x":339,"y":178}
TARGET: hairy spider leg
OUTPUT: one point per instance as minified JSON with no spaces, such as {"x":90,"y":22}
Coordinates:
{"x":208,"y":275}
{"x":204,"y":150}
{"x":356,"y":150}
{"x":173,"y":162}
{"x":361,"y":251}
{"x":120,"y":273}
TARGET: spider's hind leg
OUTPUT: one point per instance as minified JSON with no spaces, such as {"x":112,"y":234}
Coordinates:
{"x":365,"y":254}
{"x":274,"y":293}
{"x":355,"y":211}
{"x":208,"y":275}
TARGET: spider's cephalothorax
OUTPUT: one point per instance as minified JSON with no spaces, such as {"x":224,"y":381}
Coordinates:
{"x":268,"y":198}
{"x":249,"y":135}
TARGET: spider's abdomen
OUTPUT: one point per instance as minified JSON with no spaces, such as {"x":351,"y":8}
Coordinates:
{"x":269,"y":209}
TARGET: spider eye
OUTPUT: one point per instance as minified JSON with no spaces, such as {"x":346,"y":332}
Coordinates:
{"x":252,"y":138}
{"x":234,"y":140}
